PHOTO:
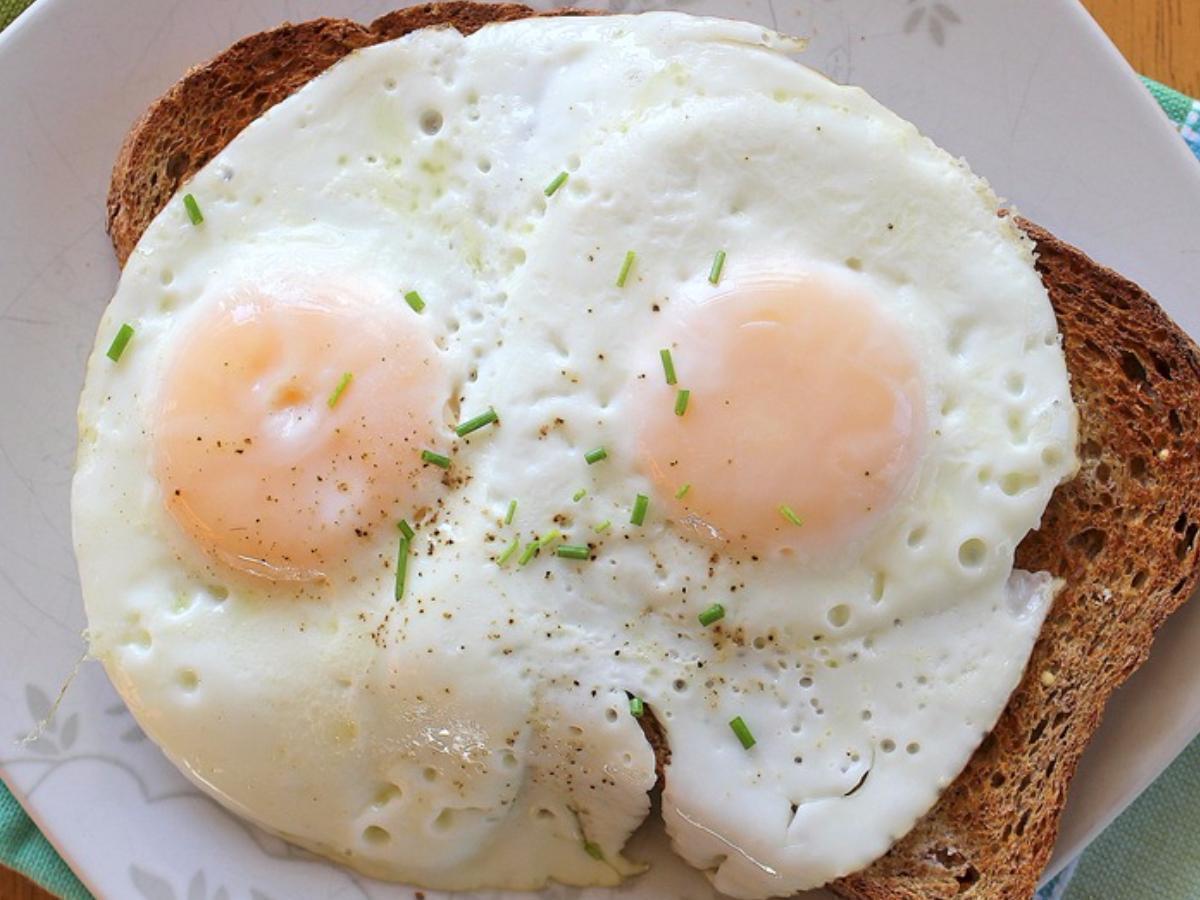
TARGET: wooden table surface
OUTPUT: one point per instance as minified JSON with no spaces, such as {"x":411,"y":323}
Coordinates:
{"x":1161,"y":38}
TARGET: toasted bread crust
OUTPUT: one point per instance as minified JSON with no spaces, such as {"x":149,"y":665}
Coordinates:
{"x":202,"y":112}
{"x":1122,"y":534}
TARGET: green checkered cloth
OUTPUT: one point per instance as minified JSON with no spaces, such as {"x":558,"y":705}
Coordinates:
{"x":1152,"y":850}
{"x":24,"y":848}
{"x":10,"y":9}
{"x":1181,"y":109}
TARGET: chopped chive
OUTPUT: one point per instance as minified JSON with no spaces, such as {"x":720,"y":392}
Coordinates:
{"x":436,"y":458}
{"x":668,"y":365}
{"x":573,"y":551}
{"x":593,"y":850}
{"x":603,"y":526}
{"x":681,"y":401}
{"x":790,"y":514}
{"x":579,"y":495}
{"x":401,"y":566}
{"x":406,"y":530}
{"x":537,"y":544}
{"x":508,"y":552}
{"x":512,"y":511}
{"x":193,"y":209}
{"x":413,"y":299}
{"x":640,"y":504}
{"x":479,"y":421}
{"x":714,"y":613}
{"x":742,"y":732}
{"x":637,"y":707}
{"x":714,"y":274}
{"x":559,"y":180}
{"x":682,"y":492}
{"x":342,"y":384}
{"x":594,"y":456}
{"x":630,"y":256}
{"x":120,"y":342}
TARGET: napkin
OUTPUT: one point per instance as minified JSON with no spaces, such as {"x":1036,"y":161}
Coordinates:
{"x":1181,"y":109}
{"x":22,"y":846}
{"x":9,"y":10}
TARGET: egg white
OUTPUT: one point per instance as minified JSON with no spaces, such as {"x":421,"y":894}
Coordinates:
{"x":477,"y":734}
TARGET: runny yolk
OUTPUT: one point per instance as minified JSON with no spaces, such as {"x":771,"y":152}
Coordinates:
{"x":257,"y":466}
{"x":803,"y":394}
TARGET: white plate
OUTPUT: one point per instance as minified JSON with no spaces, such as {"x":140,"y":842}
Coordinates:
{"x":1029,"y":91}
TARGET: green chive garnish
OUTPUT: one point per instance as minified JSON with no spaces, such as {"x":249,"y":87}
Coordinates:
{"x":714,"y":274}
{"x":193,"y":209}
{"x":742,"y":732}
{"x":593,"y":850}
{"x":559,"y":180}
{"x":790,"y":514}
{"x":714,"y":613}
{"x":406,"y":530}
{"x":508,"y":552}
{"x":682,"y":492}
{"x":630,"y":256}
{"x":342,"y":384}
{"x":681,"y":401}
{"x":579,"y":495}
{"x":484,"y":418}
{"x":594,"y":456}
{"x":537,"y":544}
{"x":119,"y":343}
{"x":512,"y":511}
{"x":640,"y":504}
{"x":668,"y":365}
{"x":413,"y":299}
{"x":573,"y":551}
{"x":637,"y":707}
{"x":402,"y":563}
{"x":436,"y":459}
{"x":603,"y":526}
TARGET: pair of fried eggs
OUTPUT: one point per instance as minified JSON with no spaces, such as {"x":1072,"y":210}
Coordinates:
{"x":814,"y":542}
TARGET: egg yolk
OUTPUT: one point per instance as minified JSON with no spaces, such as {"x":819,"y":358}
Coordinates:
{"x":805,"y":405}
{"x":288,"y":427}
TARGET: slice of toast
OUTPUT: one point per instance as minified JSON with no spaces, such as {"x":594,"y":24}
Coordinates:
{"x":1122,"y":534}
{"x":189,"y":124}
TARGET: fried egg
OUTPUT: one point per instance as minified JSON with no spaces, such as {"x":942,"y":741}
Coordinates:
{"x":494,"y":396}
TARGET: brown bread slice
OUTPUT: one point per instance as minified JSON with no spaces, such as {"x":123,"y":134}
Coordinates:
{"x":189,"y":124}
{"x":1122,"y":534}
